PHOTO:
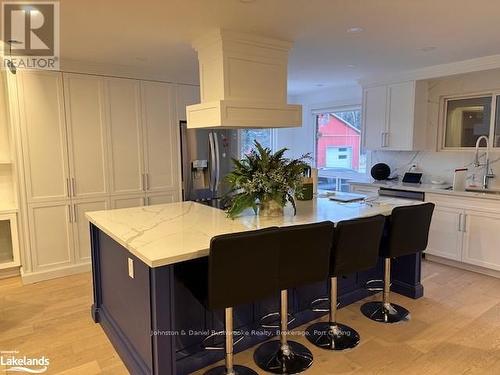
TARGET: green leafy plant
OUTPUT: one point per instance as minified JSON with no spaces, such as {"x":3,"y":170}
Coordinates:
{"x":261,"y":176}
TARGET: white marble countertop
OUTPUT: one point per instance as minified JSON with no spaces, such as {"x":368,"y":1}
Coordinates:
{"x":428,"y":188}
{"x":169,"y":233}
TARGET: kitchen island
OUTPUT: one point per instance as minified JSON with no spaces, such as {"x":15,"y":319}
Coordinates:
{"x":141,"y":257}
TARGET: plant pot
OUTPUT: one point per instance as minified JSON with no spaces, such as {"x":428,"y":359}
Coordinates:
{"x":270,"y":208}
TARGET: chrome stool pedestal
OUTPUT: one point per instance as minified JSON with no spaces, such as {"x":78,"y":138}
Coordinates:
{"x":229,"y":368}
{"x":283,"y":356}
{"x":332,"y":335}
{"x":384,"y":311}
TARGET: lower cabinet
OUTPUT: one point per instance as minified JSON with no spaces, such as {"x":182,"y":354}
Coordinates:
{"x":465,"y":230}
{"x":59,"y":232}
{"x":128,"y":201}
{"x":481,"y":245}
{"x":445,"y":235}
{"x":162,"y":198}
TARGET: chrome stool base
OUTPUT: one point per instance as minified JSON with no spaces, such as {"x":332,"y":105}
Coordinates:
{"x":272,"y":358}
{"x":237,"y":370}
{"x":385,"y":313}
{"x":339,"y":337}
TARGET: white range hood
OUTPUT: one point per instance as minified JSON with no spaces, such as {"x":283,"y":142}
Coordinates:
{"x":243,"y":83}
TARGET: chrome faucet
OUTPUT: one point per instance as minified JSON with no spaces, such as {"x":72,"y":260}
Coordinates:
{"x":488,"y":173}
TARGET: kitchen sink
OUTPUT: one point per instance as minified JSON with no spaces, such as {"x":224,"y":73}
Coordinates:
{"x":481,"y":190}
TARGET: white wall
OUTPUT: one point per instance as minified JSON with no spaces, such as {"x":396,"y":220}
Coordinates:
{"x":6,"y":170}
{"x":301,"y":140}
{"x":441,"y":164}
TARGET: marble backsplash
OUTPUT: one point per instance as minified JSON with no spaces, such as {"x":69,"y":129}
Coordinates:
{"x":437,"y":165}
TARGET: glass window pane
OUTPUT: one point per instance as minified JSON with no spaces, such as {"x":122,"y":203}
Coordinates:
{"x":339,"y":157}
{"x":497,"y":123}
{"x":248,"y":136}
{"x":467,"y":120}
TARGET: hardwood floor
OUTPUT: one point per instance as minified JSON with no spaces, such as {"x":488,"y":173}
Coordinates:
{"x":455,"y":329}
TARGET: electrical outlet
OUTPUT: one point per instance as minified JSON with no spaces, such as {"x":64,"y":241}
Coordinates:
{"x":131,"y":268}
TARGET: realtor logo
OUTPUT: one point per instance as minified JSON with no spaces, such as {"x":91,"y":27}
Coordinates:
{"x":31,"y":34}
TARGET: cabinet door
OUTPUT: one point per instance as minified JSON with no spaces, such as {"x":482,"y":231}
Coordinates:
{"x":85,"y":118}
{"x":125,"y":134}
{"x":81,"y":227}
{"x":161,"y":137}
{"x":168,"y":197}
{"x":482,"y":239}
{"x":401,"y":101}
{"x":43,"y":135}
{"x":128,"y":201}
{"x":374,"y":117}
{"x":445,"y":236}
{"x":51,"y":236}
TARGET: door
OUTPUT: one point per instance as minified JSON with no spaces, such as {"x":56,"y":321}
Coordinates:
{"x":81,"y":226}
{"x":482,"y":239}
{"x":127,"y":201}
{"x":87,"y":139}
{"x":374,"y":117}
{"x":401,"y":100}
{"x":445,"y":235}
{"x":161,"y":137}
{"x":125,"y":134}
{"x":43,"y":132}
{"x":338,"y":157}
{"x":51,"y":237}
{"x":162,"y":198}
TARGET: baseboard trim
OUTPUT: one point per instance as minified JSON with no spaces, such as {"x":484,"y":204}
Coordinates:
{"x":464,"y":266}
{"x":34,"y":277}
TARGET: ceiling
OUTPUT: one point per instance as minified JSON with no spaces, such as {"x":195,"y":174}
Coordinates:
{"x":397,"y":35}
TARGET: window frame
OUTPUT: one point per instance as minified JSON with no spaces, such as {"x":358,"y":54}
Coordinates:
{"x":443,"y":117}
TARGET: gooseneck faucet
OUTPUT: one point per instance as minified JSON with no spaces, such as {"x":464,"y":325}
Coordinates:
{"x":488,"y":173}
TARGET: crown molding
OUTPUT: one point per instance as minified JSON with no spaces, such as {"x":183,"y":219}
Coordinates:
{"x":435,"y":71}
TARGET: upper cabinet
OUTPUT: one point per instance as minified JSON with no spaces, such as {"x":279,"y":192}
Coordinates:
{"x":394,"y":116}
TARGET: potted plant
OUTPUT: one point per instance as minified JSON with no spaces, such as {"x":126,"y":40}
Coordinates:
{"x":265,"y":182}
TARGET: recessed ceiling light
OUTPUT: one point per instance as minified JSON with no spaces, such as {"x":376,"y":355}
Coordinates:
{"x":320,"y":84}
{"x":355,"y":29}
{"x":351,"y":66}
{"x":427,"y":49}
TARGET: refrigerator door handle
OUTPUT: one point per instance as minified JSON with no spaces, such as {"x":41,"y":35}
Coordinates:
{"x":211,"y":151}
{"x":217,"y":162}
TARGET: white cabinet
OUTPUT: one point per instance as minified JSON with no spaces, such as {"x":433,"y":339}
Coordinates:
{"x":445,"y":234}
{"x":125,"y":134}
{"x":394,"y":116}
{"x":482,"y":239}
{"x":87,"y":138}
{"x":127,"y":201}
{"x":51,"y":235}
{"x":43,"y":135}
{"x":465,"y":230}
{"x":161,"y":135}
{"x":162,"y":198}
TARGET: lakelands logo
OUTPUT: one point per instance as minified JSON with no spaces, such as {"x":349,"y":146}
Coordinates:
{"x":31,"y":34}
{"x":32,"y":365}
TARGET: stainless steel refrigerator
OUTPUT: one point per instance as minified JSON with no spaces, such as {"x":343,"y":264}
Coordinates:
{"x":206,"y":159}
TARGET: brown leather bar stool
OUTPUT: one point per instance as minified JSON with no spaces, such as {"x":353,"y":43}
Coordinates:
{"x":407,"y":232}
{"x":304,"y":254}
{"x":355,"y":248}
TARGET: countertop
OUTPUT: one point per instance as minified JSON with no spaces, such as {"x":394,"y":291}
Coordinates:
{"x":169,"y":233}
{"x":428,"y":188}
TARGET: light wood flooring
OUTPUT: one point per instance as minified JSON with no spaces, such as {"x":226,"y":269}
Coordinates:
{"x":455,"y":329}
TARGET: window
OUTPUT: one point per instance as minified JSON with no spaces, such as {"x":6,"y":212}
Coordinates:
{"x":248,"y":136}
{"x":338,"y":148}
{"x":467,"y":120}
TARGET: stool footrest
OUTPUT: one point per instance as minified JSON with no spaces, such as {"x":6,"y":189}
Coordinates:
{"x":316,"y":305}
{"x":271,"y":324}
{"x":220,"y":346}
{"x":379,"y":285}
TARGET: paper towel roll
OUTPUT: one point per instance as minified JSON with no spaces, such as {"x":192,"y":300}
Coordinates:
{"x":314,"y":176}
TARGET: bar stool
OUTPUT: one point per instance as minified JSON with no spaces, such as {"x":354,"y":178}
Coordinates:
{"x":355,"y":248}
{"x":407,"y":232}
{"x":303,"y":259}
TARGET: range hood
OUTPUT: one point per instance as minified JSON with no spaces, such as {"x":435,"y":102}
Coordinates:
{"x":243,"y":83}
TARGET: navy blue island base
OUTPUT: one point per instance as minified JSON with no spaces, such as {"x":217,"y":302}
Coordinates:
{"x":156,"y":325}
